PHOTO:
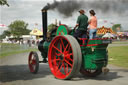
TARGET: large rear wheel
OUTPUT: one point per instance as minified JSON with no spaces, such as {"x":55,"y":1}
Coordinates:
{"x":90,"y":73}
{"x":63,"y":57}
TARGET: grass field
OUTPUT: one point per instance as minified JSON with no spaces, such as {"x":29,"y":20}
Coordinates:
{"x":118,"y":56}
{"x":120,"y":42}
{"x":10,"y":49}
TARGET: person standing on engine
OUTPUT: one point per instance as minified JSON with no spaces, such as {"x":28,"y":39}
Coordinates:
{"x":82,"y":23}
{"x":92,"y":25}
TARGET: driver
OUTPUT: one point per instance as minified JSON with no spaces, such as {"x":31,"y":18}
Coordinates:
{"x":82,"y":23}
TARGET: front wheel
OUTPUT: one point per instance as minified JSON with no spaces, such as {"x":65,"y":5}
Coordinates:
{"x":33,"y":62}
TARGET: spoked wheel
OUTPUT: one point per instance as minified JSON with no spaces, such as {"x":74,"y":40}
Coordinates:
{"x":63,"y":57}
{"x":90,"y":73}
{"x":33,"y":62}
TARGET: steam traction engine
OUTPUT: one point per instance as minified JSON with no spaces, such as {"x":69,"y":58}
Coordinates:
{"x":68,"y":56}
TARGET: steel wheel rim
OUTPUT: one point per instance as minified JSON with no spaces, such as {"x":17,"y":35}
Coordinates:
{"x":60,"y":57}
{"x":78,"y":53}
{"x":32,"y":62}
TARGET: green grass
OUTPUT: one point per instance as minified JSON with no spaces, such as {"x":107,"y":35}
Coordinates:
{"x":11,"y":49}
{"x":118,"y":56}
{"x":120,"y":42}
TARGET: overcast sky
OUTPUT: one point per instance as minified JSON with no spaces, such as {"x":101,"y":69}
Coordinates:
{"x":30,"y":12}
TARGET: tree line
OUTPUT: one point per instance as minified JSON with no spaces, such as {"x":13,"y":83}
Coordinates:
{"x":17,"y":29}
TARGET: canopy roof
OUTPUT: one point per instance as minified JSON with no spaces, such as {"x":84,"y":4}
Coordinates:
{"x":104,"y":30}
{"x":36,"y":32}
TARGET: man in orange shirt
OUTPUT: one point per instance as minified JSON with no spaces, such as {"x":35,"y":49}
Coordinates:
{"x":92,"y":25}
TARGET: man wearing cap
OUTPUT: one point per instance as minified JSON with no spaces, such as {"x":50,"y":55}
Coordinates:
{"x":82,"y":23}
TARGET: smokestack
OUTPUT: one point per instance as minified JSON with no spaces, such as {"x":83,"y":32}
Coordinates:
{"x":44,"y":23}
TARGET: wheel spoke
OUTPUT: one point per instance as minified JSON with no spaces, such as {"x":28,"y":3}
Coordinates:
{"x":33,"y":62}
{"x":56,"y":66}
{"x":68,"y":56}
{"x":58,"y":63}
{"x":64,"y":68}
{"x":68,"y":62}
{"x":67,"y":68}
{"x":54,"y":61}
{"x":58,"y":54}
{"x":70,"y":59}
{"x":66,"y":47}
{"x":57,"y":49}
{"x":60,"y":47}
{"x":60,"y":68}
{"x":62,"y":43}
{"x":69,"y":49}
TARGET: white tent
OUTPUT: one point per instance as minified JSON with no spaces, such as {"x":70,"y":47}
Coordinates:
{"x":108,"y":35}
